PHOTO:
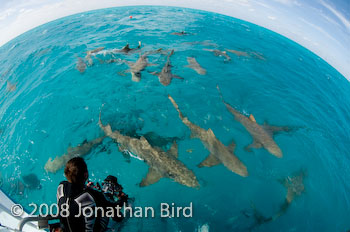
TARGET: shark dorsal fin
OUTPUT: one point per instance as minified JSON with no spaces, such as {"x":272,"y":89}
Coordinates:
{"x":174,"y":150}
{"x":251,"y":118}
{"x":145,"y":142}
{"x":126,"y":47}
{"x":210,"y":131}
{"x":210,"y":161}
{"x":152,"y":177}
{"x":143,"y":139}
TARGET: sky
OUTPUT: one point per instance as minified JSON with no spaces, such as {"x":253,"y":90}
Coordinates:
{"x":322,"y":26}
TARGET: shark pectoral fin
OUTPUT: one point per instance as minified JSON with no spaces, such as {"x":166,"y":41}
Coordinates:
{"x":154,"y":73}
{"x":210,"y":161}
{"x":174,"y":150}
{"x":255,"y":144}
{"x":152,"y":177}
{"x":178,"y":77}
{"x":252,"y":118}
{"x":232,"y":146}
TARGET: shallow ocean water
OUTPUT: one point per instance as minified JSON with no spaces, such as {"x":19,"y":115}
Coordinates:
{"x":54,"y":106}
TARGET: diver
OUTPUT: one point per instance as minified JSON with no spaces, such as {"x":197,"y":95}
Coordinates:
{"x":73,"y":196}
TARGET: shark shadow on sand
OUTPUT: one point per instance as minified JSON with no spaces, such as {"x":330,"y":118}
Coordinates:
{"x":295,"y":187}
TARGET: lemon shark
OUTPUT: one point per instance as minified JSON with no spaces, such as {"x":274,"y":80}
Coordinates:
{"x":219,"y":53}
{"x":126,"y":49}
{"x":193,"y":64}
{"x":165,"y":76}
{"x":262,"y":134}
{"x":219,"y":153}
{"x":238,"y":53}
{"x":161,"y":163}
{"x":137,"y":67}
{"x":92,"y":53}
{"x":79,"y":151}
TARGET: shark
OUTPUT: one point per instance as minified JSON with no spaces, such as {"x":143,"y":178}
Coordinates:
{"x":79,"y":151}
{"x":126,"y":49}
{"x":92,"y":52}
{"x":219,"y":53}
{"x":238,"y":53}
{"x":162,"y":164}
{"x":219,"y":153}
{"x":262,"y":134}
{"x":137,"y":67}
{"x":181,"y":33}
{"x":193,"y":64}
{"x":165,"y":76}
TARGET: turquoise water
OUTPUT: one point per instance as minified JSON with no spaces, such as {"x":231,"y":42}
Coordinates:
{"x":54,"y":106}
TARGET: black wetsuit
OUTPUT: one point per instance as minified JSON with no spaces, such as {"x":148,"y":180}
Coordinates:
{"x":77,"y":197}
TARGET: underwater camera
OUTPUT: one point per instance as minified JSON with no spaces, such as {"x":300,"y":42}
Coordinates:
{"x":110,"y":187}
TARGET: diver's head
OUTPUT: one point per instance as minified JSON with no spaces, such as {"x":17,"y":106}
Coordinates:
{"x":76,"y":171}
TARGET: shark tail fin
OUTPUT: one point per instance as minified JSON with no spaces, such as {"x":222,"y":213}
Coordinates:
{"x":176,"y":106}
{"x":174,"y":103}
